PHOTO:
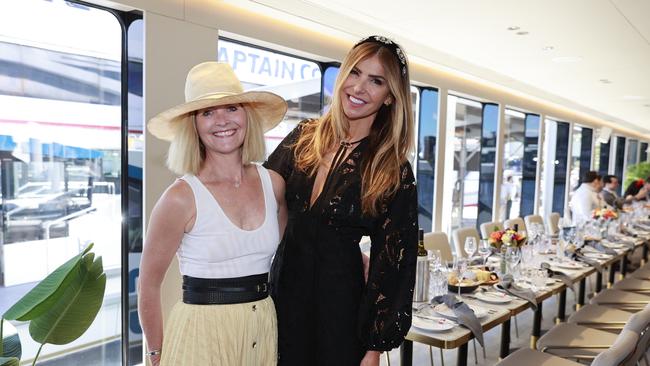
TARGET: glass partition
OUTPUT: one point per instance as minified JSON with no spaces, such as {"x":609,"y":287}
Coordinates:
{"x":529,"y":165}
{"x":619,"y":159}
{"x":61,"y":160}
{"x":426,"y":157}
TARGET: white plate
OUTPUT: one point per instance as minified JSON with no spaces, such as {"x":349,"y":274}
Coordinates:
{"x":434,"y":324}
{"x":443,"y":310}
{"x":614,"y":245}
{"x":493,"y":297}
{"x":568,"y":265}
{"x":596,"y":255}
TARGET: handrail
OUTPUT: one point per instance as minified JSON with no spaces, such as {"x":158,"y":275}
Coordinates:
{"x":48,"y":224}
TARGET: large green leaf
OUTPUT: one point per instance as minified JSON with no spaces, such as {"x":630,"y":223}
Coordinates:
{"x":71,"y":315}
{"x":47,"y":292}
{"x":9,"y":361}
{"x":10,"y":342}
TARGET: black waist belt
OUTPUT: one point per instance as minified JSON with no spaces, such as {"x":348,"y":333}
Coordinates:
{"x":208,"y":291}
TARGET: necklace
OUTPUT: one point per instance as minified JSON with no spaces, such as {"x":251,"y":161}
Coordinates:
{"x":348,"y":145}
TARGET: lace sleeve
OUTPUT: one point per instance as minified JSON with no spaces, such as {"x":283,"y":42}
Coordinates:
{"x":386,"y":307}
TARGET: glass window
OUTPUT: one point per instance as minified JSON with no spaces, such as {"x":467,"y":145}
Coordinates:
{"x":426,"y":159}
{"x":574,"y":175}
{"x":560,"y":173}
{"x":632,"y":152}
{"x":602,"y":152}
{"x":619,"y":159}
{"x":329,"y":78}
{"x":529,"y":165}
{"x":643,"y":153}
{"x":296,"y":79}
{"x":488,"y":159}
{"x":587,"y":138}
{"x":472,"y":163}
{"x":513,"y":150}
{"x":135,"y":144}
{"x":61,"y":156}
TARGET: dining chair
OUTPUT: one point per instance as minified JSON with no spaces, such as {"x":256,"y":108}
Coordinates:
{"x":488,"y":228}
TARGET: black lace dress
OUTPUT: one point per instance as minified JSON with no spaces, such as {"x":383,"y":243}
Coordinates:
{"x":327,"y":315}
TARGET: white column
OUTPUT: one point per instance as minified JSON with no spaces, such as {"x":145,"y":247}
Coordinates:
{"x":445,"y":174}
{"x":441,"y":159}
{"x":567,"y":181}
{"x":498,"y":163}
{"x":540,"y":161}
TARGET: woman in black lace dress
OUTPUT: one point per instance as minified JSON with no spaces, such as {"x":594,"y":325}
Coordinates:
{"x":347,"y":176}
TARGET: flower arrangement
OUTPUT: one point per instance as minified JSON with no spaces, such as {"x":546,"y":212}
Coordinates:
{"x":508,"y":237}
{"x":605,"y":214}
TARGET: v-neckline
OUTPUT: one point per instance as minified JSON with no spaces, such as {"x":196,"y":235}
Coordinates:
{"x":228,"y":219}
{"x":331,"y":170}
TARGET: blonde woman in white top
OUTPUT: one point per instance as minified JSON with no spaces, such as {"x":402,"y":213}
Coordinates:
{"x":223,"y":219}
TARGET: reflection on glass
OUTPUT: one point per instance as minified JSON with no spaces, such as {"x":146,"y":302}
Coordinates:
{"x":426,"y":159}
{"x":574,"y":174}
{"x":619,"y":158}
{"x":529,"y":165}
{"x":60,"y":158}
{"x":513,"y":150}
{"x":467,"y":123}
{"x":297,"y":80}
{"x":560,"y":171}
{"x":643,"y":154}
{"x":602,"y":151}
{"x":488,"y":159}
{"x":632,"y":152}
{"x":134,"y":180}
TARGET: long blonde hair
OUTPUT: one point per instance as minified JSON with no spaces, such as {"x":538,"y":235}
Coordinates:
{"x":391,"y":134}
{"x":186,"y":152}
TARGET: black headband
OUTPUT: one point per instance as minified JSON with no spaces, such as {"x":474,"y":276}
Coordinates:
{"x":392,"y":46}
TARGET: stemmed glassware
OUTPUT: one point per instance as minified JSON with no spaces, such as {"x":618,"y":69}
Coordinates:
{"x":484,"y":250}
{"x":470,"y":247}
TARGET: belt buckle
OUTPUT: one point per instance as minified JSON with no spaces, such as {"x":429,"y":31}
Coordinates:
{"x":262,"y":287}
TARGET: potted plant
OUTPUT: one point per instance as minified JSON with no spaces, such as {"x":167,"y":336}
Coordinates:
{"x":60,"y":308}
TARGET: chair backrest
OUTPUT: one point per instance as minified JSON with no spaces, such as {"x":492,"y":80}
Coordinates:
{"x":533,"y":219}
{"x":488,"y":228}
{"x":553,"y":223}
{"x":510,"y":224}
{"x":459,"y":239}
{"x":438,"y":241}
{"x":640,"y":324}
{"x":621,"y":352}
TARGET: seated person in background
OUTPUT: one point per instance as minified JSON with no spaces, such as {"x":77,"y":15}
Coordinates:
{"x":609,"y":195}
{"x":586,"y":199}
{"x":638,"y":190}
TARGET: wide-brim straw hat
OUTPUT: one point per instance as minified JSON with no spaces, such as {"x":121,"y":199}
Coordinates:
{"x":211,"y":84}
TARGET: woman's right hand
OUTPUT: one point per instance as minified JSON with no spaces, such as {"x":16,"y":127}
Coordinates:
{"x":155,"y":360}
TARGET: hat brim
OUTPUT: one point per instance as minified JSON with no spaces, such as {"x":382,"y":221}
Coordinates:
{"x":270,"y":108}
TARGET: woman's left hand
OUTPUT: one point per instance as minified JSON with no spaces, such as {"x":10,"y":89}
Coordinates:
{"x":370,"y":359}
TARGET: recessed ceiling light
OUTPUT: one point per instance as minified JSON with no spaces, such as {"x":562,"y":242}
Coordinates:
{"x":567,"y":59}
{"x":521,"y":33}
{"x":548,"y":48}
{"x":605,"y":81}
{"x":647,"y":105}
{"x":513,"y":28}
{"x":633,"y":97}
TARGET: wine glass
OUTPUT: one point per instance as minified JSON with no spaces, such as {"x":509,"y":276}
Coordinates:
{"x":513,"y":255}
{"x":484,"y":250}
{"x":470,"y":247}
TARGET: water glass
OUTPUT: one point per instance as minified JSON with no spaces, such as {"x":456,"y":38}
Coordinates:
{"x":470,"y":246}
{"x":484,"y":250}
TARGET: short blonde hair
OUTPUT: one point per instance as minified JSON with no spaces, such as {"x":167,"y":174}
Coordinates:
{"x":187,"y":153}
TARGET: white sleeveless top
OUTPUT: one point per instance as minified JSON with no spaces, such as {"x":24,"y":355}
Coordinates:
{"x":217,"y":248}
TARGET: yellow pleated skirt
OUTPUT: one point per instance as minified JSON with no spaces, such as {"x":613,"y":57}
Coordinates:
{"x":221,"y":335}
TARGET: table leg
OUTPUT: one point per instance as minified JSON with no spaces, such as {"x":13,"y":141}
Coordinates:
{"x":581,"y":293}
{"x":612,"y":276}
{"x":462,"y":355}
{"x":505,"y":339}
{"x":537,"y":326}
{"x":623,"y":266}
{"x":561,"y":307}
{"x":406,"y":353}
{"x":599,"y":281}
{"x":645,"y":252}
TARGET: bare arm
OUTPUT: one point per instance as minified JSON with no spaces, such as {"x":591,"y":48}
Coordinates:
{"x":172,"y":216}
{"x":279,"y":190}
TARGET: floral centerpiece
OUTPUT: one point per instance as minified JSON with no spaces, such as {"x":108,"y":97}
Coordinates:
{"x":502,"y":240}
{"x":604,"y":214}
{"x":507,"y":237}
